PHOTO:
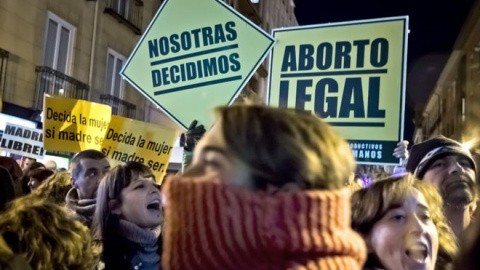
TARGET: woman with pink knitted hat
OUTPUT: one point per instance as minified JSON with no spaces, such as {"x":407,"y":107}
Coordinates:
{"x":266,"y":190}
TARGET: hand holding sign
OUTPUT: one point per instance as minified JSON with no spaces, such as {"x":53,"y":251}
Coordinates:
{"x":194,"y":133}
{"x":401,"y":151}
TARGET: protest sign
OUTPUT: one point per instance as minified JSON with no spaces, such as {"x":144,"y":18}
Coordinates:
{"x":131,"y":140}
{"x":350,"y":74}
{"x":194,"y":56}
{"x":23,"y":141}
{"x":73,"y":125}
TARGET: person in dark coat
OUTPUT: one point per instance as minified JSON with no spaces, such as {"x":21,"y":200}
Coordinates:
{"x":7,"y":191}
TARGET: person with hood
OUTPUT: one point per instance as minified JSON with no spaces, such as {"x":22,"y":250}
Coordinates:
{"x":15,"y":172}
{"x":7,"y":190}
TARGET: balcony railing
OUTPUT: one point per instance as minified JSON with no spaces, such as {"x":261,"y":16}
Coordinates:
{"x":50,"y":81}
{"x":119,"y":106}
{"x":129,"y":12}
{"x":250,"y":10}
{"x":3,"y":70}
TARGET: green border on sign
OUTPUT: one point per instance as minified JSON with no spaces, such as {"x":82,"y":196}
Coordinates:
{"x":237,"y":91}
{"x":386,"y":143}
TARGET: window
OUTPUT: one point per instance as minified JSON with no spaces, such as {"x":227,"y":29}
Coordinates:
{"x":114,"y":83}
{"x":58,"y":44}
{"x":476,"y":50}
{"x":122,"y":7}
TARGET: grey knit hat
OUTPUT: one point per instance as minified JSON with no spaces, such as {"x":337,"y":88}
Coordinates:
{"x":424,"y":154}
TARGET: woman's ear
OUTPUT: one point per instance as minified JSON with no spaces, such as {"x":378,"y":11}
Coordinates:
{"x":74,"y":182}
{"x":115,"y":207}
{"x":472,"y":208}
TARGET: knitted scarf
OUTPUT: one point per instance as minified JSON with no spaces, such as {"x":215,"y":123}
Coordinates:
{"x":83,"y":209}
{"x":146,"y":243}
{"x":213,"y":226}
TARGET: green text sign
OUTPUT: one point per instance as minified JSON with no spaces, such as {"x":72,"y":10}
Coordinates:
{"x":352,"y":75}
{"x":194,"y":56}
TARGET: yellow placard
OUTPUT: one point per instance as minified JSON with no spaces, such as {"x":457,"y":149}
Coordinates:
{"x":73,"y":125}
{"x":131,"y":140}
{"x":350,"y":74}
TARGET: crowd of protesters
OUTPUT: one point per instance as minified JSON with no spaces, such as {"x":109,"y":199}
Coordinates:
{"x":267,"y":188}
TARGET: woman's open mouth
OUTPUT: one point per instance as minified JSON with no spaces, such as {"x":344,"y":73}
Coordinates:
{"x":154,"y":205}
{"x":418,"y":253}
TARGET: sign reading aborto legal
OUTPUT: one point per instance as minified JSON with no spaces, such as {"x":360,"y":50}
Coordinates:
{"x":194,"y":56}
{"x":352,"y":75}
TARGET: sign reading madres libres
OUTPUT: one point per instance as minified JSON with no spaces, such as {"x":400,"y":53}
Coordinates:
{"x":352,"y":75}
{"x":195,"y":56}
{"x":23,"y":141}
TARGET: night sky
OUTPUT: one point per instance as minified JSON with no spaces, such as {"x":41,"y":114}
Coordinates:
{"x":434,"y":27}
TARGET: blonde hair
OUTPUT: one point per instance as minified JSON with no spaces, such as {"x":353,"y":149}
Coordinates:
{"x":55,"y":188}
{"x":369,"y":205}
{"x":46,"y":235}
{"x":283,"y":146}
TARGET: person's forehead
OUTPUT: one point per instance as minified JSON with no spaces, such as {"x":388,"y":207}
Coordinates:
{"x":145,"y":179}
{"x":90,"y":163}
{"x":416,"y":198}
{"x":413,"y":201}
{"x":453,"y":157}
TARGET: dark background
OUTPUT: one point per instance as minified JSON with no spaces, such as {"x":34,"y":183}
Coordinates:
{"x":434,"y":27}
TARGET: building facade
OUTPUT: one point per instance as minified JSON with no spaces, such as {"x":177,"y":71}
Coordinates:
{"x":76,"y":48}
{"x":268,"y":15}
{"x":453,"y":109}
{"x":70,"y":48}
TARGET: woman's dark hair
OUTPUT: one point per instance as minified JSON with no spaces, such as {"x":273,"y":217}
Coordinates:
{"x":26,"y":177}
{"x":7,"y":191}
{"x":105,"y":223}
{"x":12,"y":167}
{"x":40,"y":174}
{"x":468,"y":258}
{"x":369,"y":205}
